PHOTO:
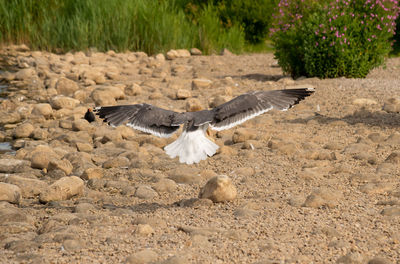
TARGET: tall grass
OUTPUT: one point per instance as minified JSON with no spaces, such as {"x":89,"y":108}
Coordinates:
{"x":147,"y":25}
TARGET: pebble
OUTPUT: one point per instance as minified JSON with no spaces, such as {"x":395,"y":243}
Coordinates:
{"x":63,"y":165}
{"x":193,"y":105}
{"x":84,"y":208}
{"x":142,"y":257}
{"x":323,"y":197}
{"x":118,"y":162}
{"x":243,"y":134}
{"x":379,"y":260}
{"x":144,"y":229}
{"x":392,"y":105}
{"x":183,"y":94}
{"x":145,"y":192}
{"x":185,"y":174}
{"x":195,"y":52}
{"x":351,"y":258}
{"x":72,"y":244}
{"x":63,"y":189}
{"x":92,"y":173}
{"x":133,"y":89}
{"x":199,"y":84}
{"x":165,"y":185}
{"x":10,"y":193}
{"x":66,"y":86}
{"x":219,"y":189}
{"x":63,"y":102}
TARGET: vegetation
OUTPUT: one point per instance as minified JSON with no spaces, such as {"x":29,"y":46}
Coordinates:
{"x":333,"y":38}
{"x":147,"y":25}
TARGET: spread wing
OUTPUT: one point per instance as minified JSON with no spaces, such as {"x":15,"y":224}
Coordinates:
{"x":144,"y":117}
{"x":249,"y":105}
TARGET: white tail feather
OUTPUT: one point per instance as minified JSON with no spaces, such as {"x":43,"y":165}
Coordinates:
{"x":192,"y":146}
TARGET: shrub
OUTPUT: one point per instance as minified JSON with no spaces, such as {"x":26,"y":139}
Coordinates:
{"x":329,"y":39}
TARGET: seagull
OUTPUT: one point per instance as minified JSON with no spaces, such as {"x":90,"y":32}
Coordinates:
{"x":192,"y":145}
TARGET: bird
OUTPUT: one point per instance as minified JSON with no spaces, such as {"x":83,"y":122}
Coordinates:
{"x":192,"y":145}
{"x":89,"y":116}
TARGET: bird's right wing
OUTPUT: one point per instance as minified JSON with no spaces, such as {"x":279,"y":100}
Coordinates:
{"x":144,"y":117}
{"x":252,"y":104}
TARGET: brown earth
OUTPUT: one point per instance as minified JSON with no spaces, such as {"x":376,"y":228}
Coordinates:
{"x":317,"y":184}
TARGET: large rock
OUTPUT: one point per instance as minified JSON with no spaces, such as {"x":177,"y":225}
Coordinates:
{"x":64,"y":165}
{"x":12,"y":165}
{"x":24,"y":130}
{"x":10,"y":193}
{"x":219,"y":189}
{"x":43,"y":109}
{"x":61,"y":101}
{"x":29,"y":187}
{"x":63,"y":189}
{"x":66,"y":86}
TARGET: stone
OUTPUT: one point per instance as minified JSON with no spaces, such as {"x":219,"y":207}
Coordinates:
{"x":195,"y":52}
{"x":183,"y":53}
{"x":379,"y":260}
{"x":323,"y":197}
{"x":391,"y":211}
{"x":218,"y":100}
{"x":392,"y":105}
{"x":81,"y":125}
{"x":13,"y":165}
{"x":183,"y":94}
{"x":43,"y":109}
{"x":351,"y":258}
{"x":84,"y":208}
{"x":66,"y":86}
{"x":118,"y":162}
{"x":133,"y":89}
{"x":144,"y":229}
{"x":63,"y":165}
{"x":63,"y":102}
{"x":41,"y":159}
{"x":219,"y":189}
{"x":171,"y":55}
{"x":25,"y":74}
{"x":63,"y":189}
{"x":84,"y":147}
{"x":24,"y":130}
{"x":364,"y":102}
{"x":92,"y":173}
{"x":30,"y":188}
{"x":145,"y":192}
{"x":10,"y":193}
{"x":184,"y":174}
{"x":200,"y":83}
{"x":165,"y":185}
{"x":243,"y":134}
{"x":95,"y":76}
{"x":9,"y":118}
{"x":142,"y":257}
{"x":193,"y":105}
{"x":21,"y":245}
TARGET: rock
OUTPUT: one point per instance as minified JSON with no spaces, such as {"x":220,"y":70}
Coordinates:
{"x":106,"y":95}
{"x":195,"y":52}
{"x":183,"y":53}
{"x":41,"y":159}
{"x":393,"y":158}
{"x":243,"y":134}
{"x":92,"y":173}
{"x":351,"y":258}
{"x":184,"y":174}
{"x":24,"y":130}
{"x":133,"y":89}
{"x":183,"y":94}
{"x":218,"y":100}
{"x":379,"y":260}
{"x":219,"y":189}
{"x":323,"y":197}
{"x":142,"y":257}
{"x":21,"y":245}
{"x":84,"y":208}
{"x":10,"y":193}
{"x":13,"y":165}
{"x":63,"y":102}
{"x":118,"y":162}
{"x":200,"y":83}
{"x":9,"y":118}
{"x":63,"y":189}
{"x":40,"y":134}
{"x":392,"y":105}
{"x":172,"y":54}
{"x":25,"y":74}
{"x":391,"y":211}
{"x":72,"y":244}
{"x":165,"y":185}
{"x":63,"y":165}
{"x":43,"y":109}
{"x":84,"y":147}
{"x":193,"y":104}
{"x":30,"y":188}
{"x":144,"y":229}
{"x":364,"y":102}
{"x":81,"y":125}
{"x":145,"y":192}
{"x":66,"y":86}
{"x":376,"y":137}
{"x":376,"y":188}
{"x":94,"y":75}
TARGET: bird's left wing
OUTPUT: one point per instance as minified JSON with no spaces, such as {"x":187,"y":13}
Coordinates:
{"x":144,"y":117}
{"x":252,"y":104}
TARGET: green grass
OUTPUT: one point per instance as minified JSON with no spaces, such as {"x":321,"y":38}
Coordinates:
{"x":151,"y":26}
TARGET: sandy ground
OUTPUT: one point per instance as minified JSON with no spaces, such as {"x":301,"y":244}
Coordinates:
{"x":318,"y":187}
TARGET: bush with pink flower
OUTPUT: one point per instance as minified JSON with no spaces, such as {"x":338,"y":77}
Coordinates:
{"x":333,"y":38}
